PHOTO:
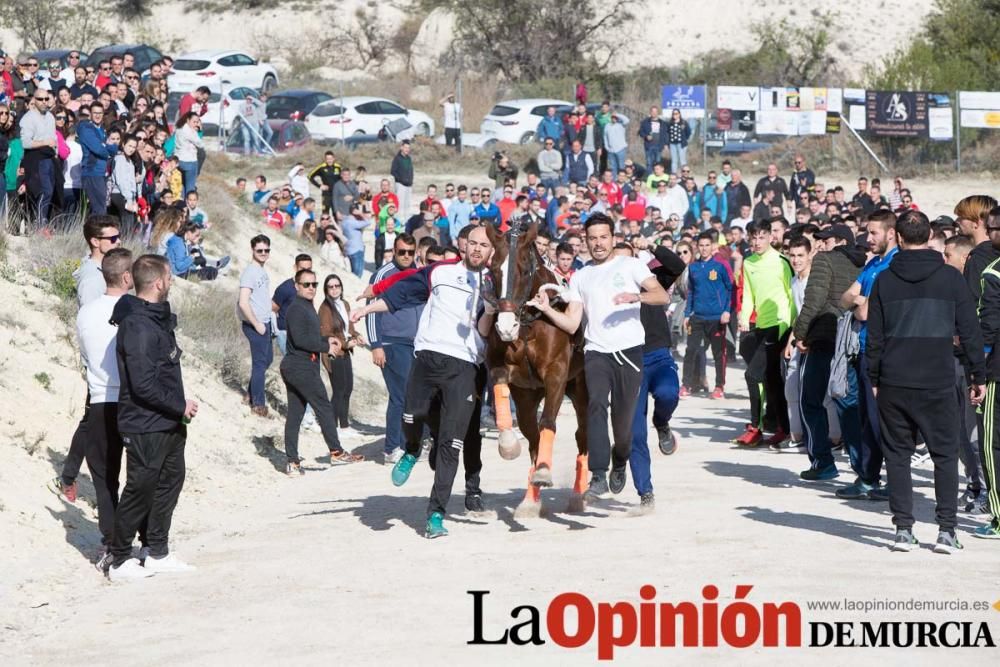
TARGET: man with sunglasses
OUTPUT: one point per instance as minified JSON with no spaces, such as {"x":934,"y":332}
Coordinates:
{"x":255,"y":313}
{"x":103,"y":75}
{"x":97,"y":150}
{"x":38,"y":137}
{"x":68,"y":73}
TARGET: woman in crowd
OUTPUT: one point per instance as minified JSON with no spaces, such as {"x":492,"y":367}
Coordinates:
{"x":308,"y":233}
{"x":166,"y":224}
{"x":6,"y":129}
{"x":186,"y":145}
{"x":678,"y":135}
{"x":126,"y":172}
{"x":335,"y":322}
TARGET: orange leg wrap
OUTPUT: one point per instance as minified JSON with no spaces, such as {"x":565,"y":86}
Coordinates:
{"x":580,"y":485}
{"x":501,"y":405}
{"x":545,"y":442}
{"x":534,"y":493}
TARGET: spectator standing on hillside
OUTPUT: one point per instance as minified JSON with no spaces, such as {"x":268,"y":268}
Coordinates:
{"x":335,"y":322}
{"x":550,"y":126}
{"x":152,"y":411}
{"x":353,"y":226}
{"x":550,"y":164}
{"x":38,"y":138}
{"x":194,"y":102}
{"x":678,"y":136}
{"x":187,"y":143}
{"x":255,"y":313}
{"x":345,"y":193}
{"x":325,"y":176}
{"x":737,"y":196}
{"x":775,"y":184}
{"x":401,"y":171}
{"x":802,"y":180}
{"x":452,"y":121}
{"x":615,"y":144}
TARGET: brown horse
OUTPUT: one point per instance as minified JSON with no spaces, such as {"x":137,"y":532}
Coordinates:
{"x":532,"y":360}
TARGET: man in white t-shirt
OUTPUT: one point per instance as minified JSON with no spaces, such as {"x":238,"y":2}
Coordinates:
{"x":609,"y":291}
{"x":452,"y":121}
{"x":103,"y":444}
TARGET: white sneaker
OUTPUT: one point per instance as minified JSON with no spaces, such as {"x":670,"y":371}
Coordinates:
{"x":425,"y":448}
{"x":130,"y":570}
{"x":169,"y":563}
{"x":393,"y":457}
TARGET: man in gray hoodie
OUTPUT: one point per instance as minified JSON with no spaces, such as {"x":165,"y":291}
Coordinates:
{"x":550,"y":164}
{"x":615,"y":144}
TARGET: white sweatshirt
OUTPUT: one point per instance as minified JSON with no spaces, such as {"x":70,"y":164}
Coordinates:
{"x":97,"y":347}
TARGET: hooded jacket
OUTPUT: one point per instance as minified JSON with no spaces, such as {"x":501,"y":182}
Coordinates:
{"x":914,"y":311}
{"x":831,"y":275}
{"x":96,"y":150}
{"x":989,"y":318}
{"x":980,"y":257}
{"x":151,"y":397}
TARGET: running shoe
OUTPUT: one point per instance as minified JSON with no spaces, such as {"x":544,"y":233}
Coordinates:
{"x":647,"y":503}
{"x":718,"y":394}
{"x":401,"y":471}
{"x":973,"y":501}
{"x":435,"y":525}
{"x":990,"y":531}
{"x":294,"y":469}
{"x":859,"y":490}
{"x":751,"y":437}
{"x":130,"y":570}
{"x":392,"y":458}
{"x":684,"y":392}
{"x":820,"y":474}
{"x":668,"y":442}
{"x":879,"y":493}
{"x":104,"y":562}
{"x":64,"y":491}
{"x":344,"y":457}
{"x":947,"y":543}
{"x":904,"y":541}
{"x":474,"y":503}
{"x":598,"y":488}
{"x":425,"y":448}
{"x":618,"y":477}
{"x":168,"y":563}
{"x":920,"y":455}
{"x":777,"y":438}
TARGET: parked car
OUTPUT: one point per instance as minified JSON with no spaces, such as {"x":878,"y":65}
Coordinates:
{"x":45,"y":56}
{"x":475,"y":140}
{"x":145,"y":55}
{"x":515,"y":121}
{"x":215,"y":67}
{"x":347,"y":116}
{"x":293,"y":104}
{"x":288,"y":135}
{"x":228,"y":106}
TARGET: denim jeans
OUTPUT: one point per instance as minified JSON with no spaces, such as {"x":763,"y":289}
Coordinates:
{"x":261,"y":356}
{"x":398,"y":359}
{"x":678,"y":157}
{"x":47,"y":179}
{"x":357,"y":262}
{"x":189,"y":174}
{"x":616,"y":162}
{"x":96,"y":190}
{"x":659,"y":378}
{"x":653,"y":155}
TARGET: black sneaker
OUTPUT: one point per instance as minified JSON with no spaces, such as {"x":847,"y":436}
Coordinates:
{"x":647,"y":503}
{"x":618,"y":478}
{"x":668,"y":443}
{"x":598,"y":488}
{"x":474,"y":503}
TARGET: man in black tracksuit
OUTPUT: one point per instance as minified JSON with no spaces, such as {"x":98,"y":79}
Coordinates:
{"x":300,"y":372}
{"x":152,"y":412}
{"x":915,"y":309}
{"x":324,"y":176}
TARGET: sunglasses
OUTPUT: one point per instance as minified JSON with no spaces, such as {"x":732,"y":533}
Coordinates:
{"x":105,"y":69}
{"x":332,"y":285}
{"x":406,"y":253}
{"x":60,"y":117}
{"x":262,"y":251}
{"x":112,"y":239}
{"x":4,"y":113}
{"x":32,"y":64}
{"x":311,"y":285}
{"x":90,"y":70}
{"x":41,"y":99}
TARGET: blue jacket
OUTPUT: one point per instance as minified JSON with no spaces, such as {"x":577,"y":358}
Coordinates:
{"x":490,"y":213}
{"x":710,"y":290}
{"x":458,"y":217}
{"x":96,"y":150}
{"x":181,"y":260}
{"x":711,"y":199}
{"x":399,"y":327}
{"x":549,"y":128}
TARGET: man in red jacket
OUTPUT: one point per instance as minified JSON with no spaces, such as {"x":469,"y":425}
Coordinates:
{"x":198,"y":97}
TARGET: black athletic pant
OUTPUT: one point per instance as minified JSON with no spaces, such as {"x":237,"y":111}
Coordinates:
{"x":761,"y":349}
{"x":989,"y":448}
{"x":968,"y":450}
{"x":472,"y":459}
{"x":341,"y":388}
{"x":328,"y":201}
{"x":453,"y":137}
{"x":452,"y":382}
{"x":104,"y":460}
{"x":304,"y":385}
{"x":904,"y":415}
{"x":154,"y":477}
{"x":704,"y":334}
{"x":613,"y":380}
{"x":77,"y":448}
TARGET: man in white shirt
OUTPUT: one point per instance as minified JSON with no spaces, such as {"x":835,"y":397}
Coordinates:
{"x":103,"y":447}
{"x":677,"y":196}
{"x":609,"y":291}
{"x":743,"y":219}
{"x":452,"y":121}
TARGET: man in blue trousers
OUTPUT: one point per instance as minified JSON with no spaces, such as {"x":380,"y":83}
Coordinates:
{"x":659,"y":378}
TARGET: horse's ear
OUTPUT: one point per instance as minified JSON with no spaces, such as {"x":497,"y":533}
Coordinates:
{"x":532,"y":233}
{"x":491,"y":232}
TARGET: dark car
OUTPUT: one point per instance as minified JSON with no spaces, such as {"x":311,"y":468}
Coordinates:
{"x":288,"y":134}
{"x":45,"y":56}
{"x":145,"y":55}
{"x":293,"y":105}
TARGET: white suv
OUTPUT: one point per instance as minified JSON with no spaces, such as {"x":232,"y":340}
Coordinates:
{"x":356,"y":116}
{"x":212,"y":67}
{"x":515,"y":121}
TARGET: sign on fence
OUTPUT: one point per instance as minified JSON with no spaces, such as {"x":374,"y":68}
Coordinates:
{"x":979,"y":109}
{"x":738,"y":98}
{"x":685,"y":98}
{"x":903,"y":113}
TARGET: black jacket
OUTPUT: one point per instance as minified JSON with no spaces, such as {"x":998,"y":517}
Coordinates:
{"x":654,"y":318}
{"x":989,"y":320}
{"x":831,"y":275}
{"x":980,"y":257}
{"x":151,"y":398}
{"x":305,"y":343}
{"x":402,"y":169}
{"x":914,"y":311}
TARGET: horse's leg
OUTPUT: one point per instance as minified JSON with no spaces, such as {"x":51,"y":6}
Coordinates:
{"x":578,"y":394}
{"x":507,"y":442}
{"x":555,"y":390}
{"x":527,"y":401}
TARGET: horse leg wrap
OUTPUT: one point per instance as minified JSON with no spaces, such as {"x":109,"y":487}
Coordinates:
{"x":580,"y":485}
{"x":534,"y":493}
{"x":546,"y":440}
{"x":501,"y":406}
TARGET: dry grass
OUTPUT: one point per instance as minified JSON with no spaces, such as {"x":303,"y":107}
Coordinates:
{"x":206,"y":314}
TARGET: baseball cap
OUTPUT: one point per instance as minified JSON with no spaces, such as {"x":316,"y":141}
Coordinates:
{"x":943,"y":221}
{"x":842,"y":232}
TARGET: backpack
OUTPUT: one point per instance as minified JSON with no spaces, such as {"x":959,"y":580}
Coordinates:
{"x":846,"y":350}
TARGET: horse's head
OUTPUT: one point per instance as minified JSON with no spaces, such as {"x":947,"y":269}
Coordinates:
{"x":514,"y":268}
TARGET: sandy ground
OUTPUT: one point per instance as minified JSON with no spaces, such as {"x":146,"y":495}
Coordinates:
{"x":296,"y":571}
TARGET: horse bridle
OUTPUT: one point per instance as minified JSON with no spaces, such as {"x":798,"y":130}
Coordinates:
{"x":518,"y":301}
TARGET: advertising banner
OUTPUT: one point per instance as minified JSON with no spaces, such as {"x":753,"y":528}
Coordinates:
{"x":979,"y":109}
{"x":897,"y":113}
{"x":685,"y":98}
{"x":738,"y":98}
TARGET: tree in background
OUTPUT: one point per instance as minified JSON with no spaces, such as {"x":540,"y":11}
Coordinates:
{"x":54,"y":23}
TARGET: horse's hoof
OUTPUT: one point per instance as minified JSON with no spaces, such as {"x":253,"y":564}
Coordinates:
{"x":509,"y":445}
{"x":542,"y":476}
{"x":528,"y":510}
{"x":576,"y":503}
